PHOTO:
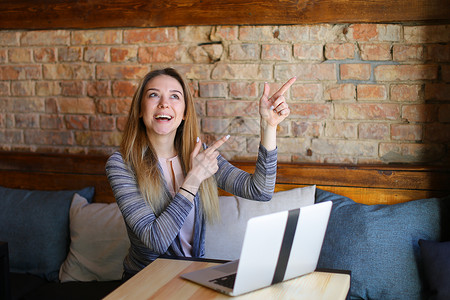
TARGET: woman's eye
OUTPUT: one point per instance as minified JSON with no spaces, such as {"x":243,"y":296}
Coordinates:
{"x":175,"y":96}
{"x":151,"y":95}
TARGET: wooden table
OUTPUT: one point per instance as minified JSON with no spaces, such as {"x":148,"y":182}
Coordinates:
{"x":161,"y":280}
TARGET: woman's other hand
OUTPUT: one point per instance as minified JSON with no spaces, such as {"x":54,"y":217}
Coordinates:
{"x":273,"y":110}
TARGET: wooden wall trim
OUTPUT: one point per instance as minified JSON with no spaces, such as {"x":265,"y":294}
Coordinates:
{"x":53,"y":14}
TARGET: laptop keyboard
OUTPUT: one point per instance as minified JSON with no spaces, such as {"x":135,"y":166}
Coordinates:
{"x":226,"y":281}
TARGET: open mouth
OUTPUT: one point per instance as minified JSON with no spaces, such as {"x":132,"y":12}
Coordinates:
{"x":163,"y":117}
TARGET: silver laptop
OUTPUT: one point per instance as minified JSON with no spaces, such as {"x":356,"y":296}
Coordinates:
{"x":277,"y":247}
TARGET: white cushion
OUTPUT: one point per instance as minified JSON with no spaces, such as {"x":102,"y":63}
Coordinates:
{"x":224,"y":238}
{"x":99,"y":242}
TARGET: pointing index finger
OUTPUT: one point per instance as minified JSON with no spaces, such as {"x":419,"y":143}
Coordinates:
{"x":285,"y":87}
{"x":218,"y":143}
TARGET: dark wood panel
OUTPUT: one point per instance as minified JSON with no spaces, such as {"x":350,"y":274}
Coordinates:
{"x":378,"y":184}
{"x":50,"y":14}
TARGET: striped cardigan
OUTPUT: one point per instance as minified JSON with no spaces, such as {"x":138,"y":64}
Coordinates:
{"x":151,"y":235}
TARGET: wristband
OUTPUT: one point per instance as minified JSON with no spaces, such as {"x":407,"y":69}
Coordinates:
{"x":182,"y":188}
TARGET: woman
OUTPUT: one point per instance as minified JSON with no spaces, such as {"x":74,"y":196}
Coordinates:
{"x":164,"y":182}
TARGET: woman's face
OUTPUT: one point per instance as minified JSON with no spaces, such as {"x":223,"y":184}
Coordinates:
{"x":162,"y":106}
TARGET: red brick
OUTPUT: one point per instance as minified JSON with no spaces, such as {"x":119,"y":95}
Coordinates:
{"x":306,"y":128}
{"x":150,"y":35}
{"x":48,"y":137}
{"x":121,"y":122}
{"x":160,"y":54}
{"x":68,"y":71}
{"x":22,"y":88}
{"x":123,"y":54}
{"x":408,"y":52}
{"x":307,"y":91}
{"x":244,"y":89}
{"x":242,"y":71}
{"x":96,"y":54}
{"x":364,"y":32}
{"x":45,"y":37}
{"x":345,"y":91}
{"x":294,"y":33}
{"x":72,"y":88}
{"x":124,"y":88}
{"x":344,"y":147}
{"x":76,"y":105}
{"x":355,"y":71}
{"x":228,"y":108}
{"x":20,"y":72}
{"x":410,"y":152}
{"x":420,"y":113}
{"x":98,"y":89}
{"x":406,"y":132}
{"x":310,"y":111}
{"x":437,"y":91}
{"x":79,"y":122}
{"x":70,"y":54}
{"x":102,"y":123}
{"x":256,"y":33}
{"x":444,"y":113}
{"x":437,"y":132}
{"x":51,"y":122}
{"x":44,"y":55}
{"x":9,"y":38}
{"x":51,"y":105}
{"x":427,"y":34}
{"x":367,"y":111}
{"x":27,"y":105}
{"x":406,"y":92}
{"x":121,"y":72}
{"x":371,"y":92}
{"x":113,"y":106}
{"x":373,"y":131}
{"x":19,"y":55}
{"x":438,"y":53}
{"x":3,"y":55}
{"x":244,"y":51}
{"x":11,"y":137}
{"x":4,"y":88}
{"x":47,"y":88}
{"x":98,"y":138}
{"x":227,"y":33}
{"x":213,"y":89}
{"x":308,"y":51}
{"x":375,"y":51}
{"x":305,"y":71}
{"x":26,"y":120}
{"x":340,"y":129}
{"x":340,"y":51}
{"x":405,"y":72}
{"x":276,"y":52}
{"x":95,"y":37}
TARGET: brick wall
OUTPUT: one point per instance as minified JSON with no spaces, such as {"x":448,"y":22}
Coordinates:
{"x":366,"y":93}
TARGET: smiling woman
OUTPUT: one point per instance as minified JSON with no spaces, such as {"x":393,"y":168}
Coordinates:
{"x":165,"y":180}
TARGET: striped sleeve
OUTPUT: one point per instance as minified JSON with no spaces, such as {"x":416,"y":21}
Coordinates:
{"x":257,"y":186}
{"x":155,"y":232}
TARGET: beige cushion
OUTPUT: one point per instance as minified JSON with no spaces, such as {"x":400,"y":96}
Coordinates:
{"x":99,"y":242}
{"x":224,"y":238}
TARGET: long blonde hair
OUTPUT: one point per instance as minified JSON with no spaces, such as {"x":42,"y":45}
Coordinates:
{"x":140,"y":156}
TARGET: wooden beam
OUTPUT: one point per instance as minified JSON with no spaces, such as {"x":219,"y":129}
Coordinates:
{"x":87,"y":14}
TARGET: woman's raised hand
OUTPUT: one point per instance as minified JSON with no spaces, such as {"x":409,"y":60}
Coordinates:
{"x":204,"y":164}
{"x":273,"y":110}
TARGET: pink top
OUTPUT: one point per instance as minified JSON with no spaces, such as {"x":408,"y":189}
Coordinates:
{"x":173,"y":173}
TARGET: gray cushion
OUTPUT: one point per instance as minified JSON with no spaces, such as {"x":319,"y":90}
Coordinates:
{"x":36,"y":226}
{"x":379,"y":244}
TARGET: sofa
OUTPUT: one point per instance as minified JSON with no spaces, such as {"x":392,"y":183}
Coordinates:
{"x":67,"y":239}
